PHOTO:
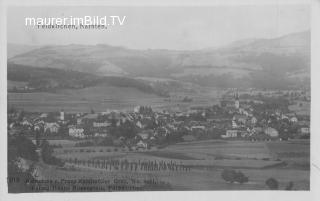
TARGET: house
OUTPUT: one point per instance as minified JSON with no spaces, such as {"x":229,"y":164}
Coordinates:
{"x":136,"y":109}
{"x":293,"y":119}
{"x":76,"y":132}
{"x":36,"y":128}
{"x":38,"y":125}
{"x":142,"y":144}
{"x":244,"y":133}
{"x":101,"y":124}
{"x":234,"y":124}
{"x":162,"y":131}
{"x":101,"y":135}
{"x":188,"y":138}
{"x":230,"y":134}
{"x":193,"y":128}
{"x":305,"y":131}
{"x":144,"y":135}
{"x":79,"y":121}
{"x":12,"y":125}
{"x":271,"y":132}
{"x":257,"y":130}
{"x":240,"y":118}
{"x":139,"y":124}
{"x":283,"y":116}
{"x":43,"y":115}
{"x":51,"y":127}
{"x":254,"y":120}
{"x":243,"y":111}
{"x":26,"y":123}
{"x":90,"y":116}
{"x":227,"y":103}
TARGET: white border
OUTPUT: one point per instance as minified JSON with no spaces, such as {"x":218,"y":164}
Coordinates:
{"x":311,"y":195}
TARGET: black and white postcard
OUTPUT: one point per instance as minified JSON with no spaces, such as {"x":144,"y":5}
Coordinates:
{"x":106,"y":99}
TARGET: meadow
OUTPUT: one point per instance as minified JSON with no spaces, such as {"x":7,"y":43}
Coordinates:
{"x":257,"y":160}
{"x":101,"y":98}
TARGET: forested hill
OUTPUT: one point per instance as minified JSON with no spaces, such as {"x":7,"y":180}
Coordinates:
{"x":51,"y":79}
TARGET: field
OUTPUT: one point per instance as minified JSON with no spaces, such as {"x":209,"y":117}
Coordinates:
{"x":300,"y":107}
{"x":13,"y":84}
{"x":284,"y":161}
{"x":101,"y":98}
{"x":295,"y":153}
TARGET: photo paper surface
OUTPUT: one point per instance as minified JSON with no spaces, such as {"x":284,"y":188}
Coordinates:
{"x":158,"y":98}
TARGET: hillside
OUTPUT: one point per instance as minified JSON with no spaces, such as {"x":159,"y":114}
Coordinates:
{"x":16,"y":49}
{"x":280,"y":62}
{"x":50,"y":79}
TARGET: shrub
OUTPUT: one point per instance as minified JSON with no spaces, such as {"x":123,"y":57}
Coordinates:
{"x":241,"y":178}
{"x":289,"y":186}
{"x":231,"y":176}
{"x":272,"y":183}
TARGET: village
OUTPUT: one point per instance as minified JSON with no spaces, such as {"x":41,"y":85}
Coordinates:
{"x":239,"y":116}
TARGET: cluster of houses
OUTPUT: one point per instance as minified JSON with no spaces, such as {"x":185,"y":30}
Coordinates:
{"x":233,"y":118}
{"x":248,"y":123}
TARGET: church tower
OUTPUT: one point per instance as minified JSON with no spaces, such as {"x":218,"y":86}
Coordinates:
{"x":62,"y":115}
{"x":237,"y":102}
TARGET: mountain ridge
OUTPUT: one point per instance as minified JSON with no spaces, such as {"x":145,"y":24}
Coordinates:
{"x":238,"y":60}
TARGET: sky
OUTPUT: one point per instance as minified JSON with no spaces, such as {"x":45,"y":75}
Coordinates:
{"x":179,"y":28}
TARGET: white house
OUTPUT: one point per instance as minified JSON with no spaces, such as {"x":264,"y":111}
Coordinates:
{"x":254,"y":120}
{"x":51,"y":127}
{"x":36,"y":127}
{"x":234,"y":124}
{"x":101,"y":124}
{"x":101,"y":135}
{"x":271,"y":132}
{"x":140,"y":125}
{"x":142,"y":144}
{"x":198,"y":128}
{"x":43,"y":115}
{"x":294,"y":119}
{"x":76,"y":132}
{"x":305,"y":130}
{"x":230,"y":134}
{"x":136,"y":109}
{"x":26,"y":123}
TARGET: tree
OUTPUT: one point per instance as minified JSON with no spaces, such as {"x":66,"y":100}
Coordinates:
{"x":127,"y":130}
{"x":46,"y":154}
{"x":272,"y":183}
{"x":38,"y":138}
{"x":231,"y":176}
{"x":22,"y":147}
{"x":21,"y":115}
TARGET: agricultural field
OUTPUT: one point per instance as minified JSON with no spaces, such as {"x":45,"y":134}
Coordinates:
{"x":101,"y":98}
{"x":301,"y":107}
{"x":206,"y":160}
{"x":15,"y":84}
{"x":295,"y":153}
